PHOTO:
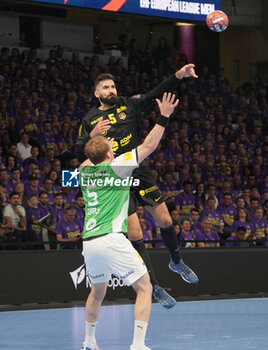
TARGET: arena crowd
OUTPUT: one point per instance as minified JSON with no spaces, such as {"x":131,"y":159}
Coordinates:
{"x":211,"y":165}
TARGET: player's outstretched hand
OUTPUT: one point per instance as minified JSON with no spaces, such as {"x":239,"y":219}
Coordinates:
{"x":103,"y":125}
{"x":168,"y":104}
{"x":186,"y":72}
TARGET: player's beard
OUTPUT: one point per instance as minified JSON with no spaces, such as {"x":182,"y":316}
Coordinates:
{"x":111,"y":100}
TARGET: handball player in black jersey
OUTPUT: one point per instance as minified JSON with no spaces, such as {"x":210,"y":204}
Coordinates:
{"x":118,"y":118}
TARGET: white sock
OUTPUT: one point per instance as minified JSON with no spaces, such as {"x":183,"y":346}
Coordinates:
{"x":140,"y":329}
{"x":90,"y":333}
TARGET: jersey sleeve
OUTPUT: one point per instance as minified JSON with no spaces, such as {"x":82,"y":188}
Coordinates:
{"x":125,"y":163}
{"x":167,"y":85}
{"x":82,"y":139}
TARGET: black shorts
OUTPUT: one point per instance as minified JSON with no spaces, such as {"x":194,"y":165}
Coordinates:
{"x":147,"y":193}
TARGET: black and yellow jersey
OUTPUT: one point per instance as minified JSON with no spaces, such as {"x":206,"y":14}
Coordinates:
{"x":124,"y":117}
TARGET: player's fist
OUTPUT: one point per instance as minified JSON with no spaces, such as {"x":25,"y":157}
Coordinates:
{"x":102,"y":125}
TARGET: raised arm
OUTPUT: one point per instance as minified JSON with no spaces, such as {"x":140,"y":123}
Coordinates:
{"x":170,"y":83}
{"x":166,"y":107}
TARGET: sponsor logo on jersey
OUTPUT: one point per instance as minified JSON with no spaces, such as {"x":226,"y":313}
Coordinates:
{"x":70,"y":178}
{"x":121,"y":109}
{"x":115,"y":146}
{"x":127,"y":156}
{"x":157,"y":199}
{"x":148,"y":190}
{"x":122,"y":116}
{"x":125,"y":141}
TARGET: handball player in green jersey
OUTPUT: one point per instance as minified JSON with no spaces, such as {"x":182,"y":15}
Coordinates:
{"x":105,"y":183}
{"x":119,"y":117}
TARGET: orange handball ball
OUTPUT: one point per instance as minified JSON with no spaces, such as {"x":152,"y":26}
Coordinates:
{"x":217,"y":21}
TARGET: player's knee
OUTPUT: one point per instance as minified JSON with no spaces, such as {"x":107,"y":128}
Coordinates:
{"x":146,"y":285}
{"x":135,"y":234}
{"x":98,"y":294}
{"x":165,"y":222}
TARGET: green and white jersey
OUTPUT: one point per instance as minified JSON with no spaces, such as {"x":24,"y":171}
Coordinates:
{"x":105,"y":189}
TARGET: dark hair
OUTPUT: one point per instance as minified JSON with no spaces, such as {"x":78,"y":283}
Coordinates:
{"x":32,"y":195}
{"x":183,"y":220}
{"x":79,"y":194}
{"x":241,"y":228}
{"x":14,"y":194}
{"x":103,"y":76}
{"x":42,"y":192}
{"x":236,"y":218}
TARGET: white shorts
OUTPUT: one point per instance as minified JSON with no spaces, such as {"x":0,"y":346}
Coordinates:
{"x":112,"y":254}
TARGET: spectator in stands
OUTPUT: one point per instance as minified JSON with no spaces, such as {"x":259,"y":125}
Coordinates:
{"x":169,"y":190}
{"x":242,"y":218}
{"x":24,"y":148}
{"x":200,"y":198}
{"x":80,"y":207}
{"x":240,"y":203}
{"x":28,"y":126}
{"x":34,"y":232}
{"x":254,"y":204}
{"x":206,"y":237}
{"x":65,"y":141}
{"x":246,"y":196}
{"x":175,"y":216}
{"x":14,"y":216}
{"x":3,"y":198}
{"x":186,"y":235}
{"x":47,"y":140}
{"x":10,"y":164}
{"x":33,"y":186}
{"x":45,"y":169}
{"x":57,"y":209}
{"x":211,"y":192}
{"x":260,"y":225}
{"x":32,"y":165}
{"x":227,"y":211}
{"x":33,"y":156}
{"x":47,"y":187}
{"x":14,"y":178}
{"x":69,"y":197}
{"x":185,"y":201}
{"x":54,"y":177}
{"x":211,"y":212}
{"x":19,"y":188}
{"x":237,"y":239}
{"x":195,"y":223}
{"x":147,"y":234}
{"x":69,"y":230}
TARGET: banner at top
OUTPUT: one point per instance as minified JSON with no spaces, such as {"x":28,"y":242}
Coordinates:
{"x":193,"y":10}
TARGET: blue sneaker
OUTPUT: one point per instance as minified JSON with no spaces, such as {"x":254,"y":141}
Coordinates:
{"x":186,"y":273}
{"x":162,"y":297}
